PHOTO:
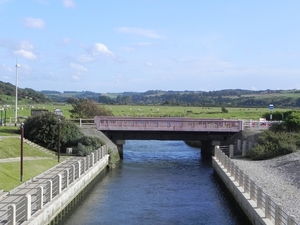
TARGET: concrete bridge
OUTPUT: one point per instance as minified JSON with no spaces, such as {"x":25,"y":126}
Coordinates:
{"x":210,"y":132}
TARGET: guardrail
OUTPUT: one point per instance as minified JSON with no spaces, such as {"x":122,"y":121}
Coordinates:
{"x":31,"y":203}
{"x":167,"y":124}
{"x":272,"y":211}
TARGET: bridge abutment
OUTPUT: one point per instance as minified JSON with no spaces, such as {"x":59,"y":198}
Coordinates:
{"x":207,"y":148}
{"x":120,"y":144}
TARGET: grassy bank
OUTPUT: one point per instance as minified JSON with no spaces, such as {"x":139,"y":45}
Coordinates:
{"x":10,"y":170}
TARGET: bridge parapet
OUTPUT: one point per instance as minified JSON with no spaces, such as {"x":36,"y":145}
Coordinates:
{"x":167,"y":124}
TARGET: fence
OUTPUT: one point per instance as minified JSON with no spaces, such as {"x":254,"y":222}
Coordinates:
{"x":31,"y":203}
{"x":272,"y":211}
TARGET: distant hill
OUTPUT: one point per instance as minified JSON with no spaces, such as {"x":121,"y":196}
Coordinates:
{"x":27,"y":95}
{"x":226,"y":98}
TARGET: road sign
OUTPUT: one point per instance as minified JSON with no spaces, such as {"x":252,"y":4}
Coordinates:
{"x":271,"y":107}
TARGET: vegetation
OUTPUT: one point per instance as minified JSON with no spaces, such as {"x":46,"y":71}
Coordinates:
{"x":272,"y":144}
{"x":84,"y":108}
{"x":9,"y":131}
{"x":87,"y":144}
{"x":228,"y":98}
{"x":281,"y":139}
{"x":43,"y":128}
{"x":27,"y":95}
{"x":10,"y":171}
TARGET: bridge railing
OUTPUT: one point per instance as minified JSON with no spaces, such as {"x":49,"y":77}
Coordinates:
{"x":167,"y":124}
{"x":272,"y":211}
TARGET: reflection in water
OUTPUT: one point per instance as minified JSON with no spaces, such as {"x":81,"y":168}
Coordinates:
{"x":159,"y":182}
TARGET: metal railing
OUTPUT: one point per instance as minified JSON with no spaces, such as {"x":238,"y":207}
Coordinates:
{"x":30,"y":204}
{"x":272,"y":211}
{"x":167,"y":124}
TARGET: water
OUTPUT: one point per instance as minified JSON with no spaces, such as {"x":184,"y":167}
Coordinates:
{"x":159,"y":182}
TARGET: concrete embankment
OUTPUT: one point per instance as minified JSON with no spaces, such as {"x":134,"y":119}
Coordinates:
{"x":258,"y":203}
{"x":53,"y":208}
{"x":256,"y":216}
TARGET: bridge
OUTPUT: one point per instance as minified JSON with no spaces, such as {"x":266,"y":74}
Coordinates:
{"x":210,"y":132}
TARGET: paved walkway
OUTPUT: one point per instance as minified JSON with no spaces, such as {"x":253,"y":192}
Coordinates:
{"x":30,"y":187}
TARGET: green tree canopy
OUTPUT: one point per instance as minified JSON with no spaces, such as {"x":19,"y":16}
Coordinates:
{"x":84,"y":108}
{"x":292,"y":121}
{"x":42,"y":129}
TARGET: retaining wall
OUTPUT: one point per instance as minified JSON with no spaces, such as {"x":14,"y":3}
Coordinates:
{"x":53,"y":208}
{"x":258,"y":206}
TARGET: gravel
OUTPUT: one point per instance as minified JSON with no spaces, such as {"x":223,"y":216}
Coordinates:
{"x":279,"y":178}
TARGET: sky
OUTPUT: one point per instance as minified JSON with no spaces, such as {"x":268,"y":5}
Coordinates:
{"x":140,"y":45}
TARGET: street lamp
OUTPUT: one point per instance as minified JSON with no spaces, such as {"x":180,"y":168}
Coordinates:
{"x":58,"y":144}
{"x":16,"y":107}
{"x":22,"y":137}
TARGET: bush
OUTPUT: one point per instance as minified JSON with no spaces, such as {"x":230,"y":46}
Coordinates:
{"x":271,"y":144}
{"x":87,"y":144}
{"x":42,"y":129}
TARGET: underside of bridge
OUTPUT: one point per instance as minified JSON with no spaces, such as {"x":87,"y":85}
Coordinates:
{"x":208,"y":139}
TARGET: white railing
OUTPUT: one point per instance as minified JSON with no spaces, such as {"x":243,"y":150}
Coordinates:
{"x":273,"y":211}
{"x":23,"y":210}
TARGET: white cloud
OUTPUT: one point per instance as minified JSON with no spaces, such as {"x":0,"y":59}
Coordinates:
{"x":75,"y":77}
{"x":77,"y":67}
{"x":149,"y":64}
{"x":35,"y":23}
{"x":24,"y":49}
{"x":99,"y":48}
{"x":26,"y":54}
{"x":138,"y":31}
{"x":66,"y":40}
{"x":6,"y":68}
{"x":26,"y":45}
{"x":68,"y":3}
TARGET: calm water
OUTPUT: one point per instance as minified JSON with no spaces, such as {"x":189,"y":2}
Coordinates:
{"x":159,"y":182}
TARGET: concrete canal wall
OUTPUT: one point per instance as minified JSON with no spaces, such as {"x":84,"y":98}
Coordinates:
{"x":257,"y":205}
{"x":62,"y":200}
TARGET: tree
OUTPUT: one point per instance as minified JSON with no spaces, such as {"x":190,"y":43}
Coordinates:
{"x":224,"y":110}
{"x":292,"y":122}
{"x":42,"y":129}
{"x":84,"y":108}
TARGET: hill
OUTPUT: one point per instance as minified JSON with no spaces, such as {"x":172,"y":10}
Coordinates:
{"x":26,"y":96}
{"x":226,"y":98}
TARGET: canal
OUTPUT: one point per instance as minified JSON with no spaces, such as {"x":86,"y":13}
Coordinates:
{"x":158,"y":182}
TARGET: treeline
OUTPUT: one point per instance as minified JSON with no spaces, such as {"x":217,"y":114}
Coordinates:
{"x":226,"y":98}
{"x":7,"y":89}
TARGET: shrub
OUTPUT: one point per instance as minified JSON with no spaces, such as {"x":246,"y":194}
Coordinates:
{"x":271,"y":144}
{"x":42,"y":129}
{"x":87,"y":144}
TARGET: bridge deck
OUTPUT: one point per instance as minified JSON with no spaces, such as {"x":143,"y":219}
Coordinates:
{"x":167,"y":124}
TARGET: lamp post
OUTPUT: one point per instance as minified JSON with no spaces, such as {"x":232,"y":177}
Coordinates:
{"x":22,"y":137}
{"x":16,"y":106}
{"x":58,"y":144}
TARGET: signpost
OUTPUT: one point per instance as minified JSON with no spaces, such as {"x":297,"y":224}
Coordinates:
{"x":271,"y":110}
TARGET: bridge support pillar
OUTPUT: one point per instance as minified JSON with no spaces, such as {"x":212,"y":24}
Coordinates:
{"x":119,"y":144}
{"x":207,"y":148}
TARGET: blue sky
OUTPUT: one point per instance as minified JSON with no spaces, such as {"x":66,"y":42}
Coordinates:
{"x":140,"y":45}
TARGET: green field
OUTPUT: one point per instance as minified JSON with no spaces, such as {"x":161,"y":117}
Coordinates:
{"x":150,"y":111}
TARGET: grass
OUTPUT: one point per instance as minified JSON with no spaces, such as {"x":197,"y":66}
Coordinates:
{"x":9,"y":131}
{"x":152,"y":111}
{"x":10,"y":171}
{"x":9,"y":145}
